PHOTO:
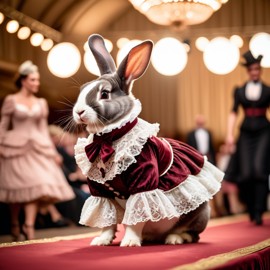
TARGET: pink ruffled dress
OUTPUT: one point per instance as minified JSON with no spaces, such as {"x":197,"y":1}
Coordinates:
{"x":28,"y":171}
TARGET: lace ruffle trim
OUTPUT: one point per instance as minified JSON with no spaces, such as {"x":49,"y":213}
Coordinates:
{"x":80,"y":155}
{"x":126,"y":149}
{"x":100,"y":212}
{"x":156,"y":205}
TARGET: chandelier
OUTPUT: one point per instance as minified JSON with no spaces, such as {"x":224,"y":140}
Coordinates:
{"x":177,"y":12}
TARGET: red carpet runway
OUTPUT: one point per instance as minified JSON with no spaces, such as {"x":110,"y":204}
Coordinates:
{"x":227,"y":243}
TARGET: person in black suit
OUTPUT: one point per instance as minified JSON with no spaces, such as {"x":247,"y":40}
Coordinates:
{"x":201,"y":139}
{"x":249,"y":165}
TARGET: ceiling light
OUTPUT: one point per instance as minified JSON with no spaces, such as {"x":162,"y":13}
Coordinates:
{"x":201,"y":43}
{"x":36,"y":39}
{"x":64,"y":60}
{"x":2,"y":17}
{"x":221,"y":56}
{"x":24,"y":20}
{"x":24,"y":32}
{"x":237,"y":40}
{"x":177,"y":12}
{"x":46,"y":44}
{"x":260,"y":45}
{"x":169,"y":56}
{"x":121,"y":42}
{"x":12,"y":26}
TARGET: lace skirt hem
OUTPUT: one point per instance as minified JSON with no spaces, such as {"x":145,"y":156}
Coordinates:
{"x":156,"y":204}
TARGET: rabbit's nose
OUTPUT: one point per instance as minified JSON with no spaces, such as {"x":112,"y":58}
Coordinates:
{"x":80,"y":112}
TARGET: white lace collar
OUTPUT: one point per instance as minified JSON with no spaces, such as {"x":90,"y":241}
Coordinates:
{"x":126,"y":149}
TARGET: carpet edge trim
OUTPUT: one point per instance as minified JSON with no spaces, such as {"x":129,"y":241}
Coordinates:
{"x":220,"y":259}
{"x":50,"y":240}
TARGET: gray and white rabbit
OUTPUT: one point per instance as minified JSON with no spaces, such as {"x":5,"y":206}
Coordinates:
{"x":157,"y":188}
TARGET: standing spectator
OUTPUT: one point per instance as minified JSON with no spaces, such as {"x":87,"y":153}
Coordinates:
{"x":201,"y":139}
{"x":29,"y":163}
{"x":250,"y":164}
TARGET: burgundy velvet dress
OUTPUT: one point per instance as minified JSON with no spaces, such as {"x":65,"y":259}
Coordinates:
{"x":135,"y":176}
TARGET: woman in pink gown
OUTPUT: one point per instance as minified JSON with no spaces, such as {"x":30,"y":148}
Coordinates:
{"x":30,"y":174}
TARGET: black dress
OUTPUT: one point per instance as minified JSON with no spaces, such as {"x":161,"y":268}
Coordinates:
{"x":249,"y":166}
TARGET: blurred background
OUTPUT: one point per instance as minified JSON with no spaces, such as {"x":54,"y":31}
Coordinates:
{"x":195,"y":65}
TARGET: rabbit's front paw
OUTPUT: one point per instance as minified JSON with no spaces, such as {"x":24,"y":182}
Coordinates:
{"x":174,"y":239}
{"x":130,"y":242}
{"x":101,"y":241}
{"x":177,"y":239}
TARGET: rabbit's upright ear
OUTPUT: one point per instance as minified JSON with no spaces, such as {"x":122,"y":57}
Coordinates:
{"x":103,"y":58}
{"x":135,"y":63}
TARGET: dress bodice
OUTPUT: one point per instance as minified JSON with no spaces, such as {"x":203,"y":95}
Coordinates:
{"x":255,"y":110}
{"x":22,"y":126}
{"x":26,"y":120}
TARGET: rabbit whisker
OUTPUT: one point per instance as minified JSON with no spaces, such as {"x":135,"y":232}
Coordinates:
{"x":75,"y":82}
{"x":67,"y":102}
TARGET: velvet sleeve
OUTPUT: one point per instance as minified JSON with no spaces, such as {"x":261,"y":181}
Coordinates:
{"x":143,"y":175}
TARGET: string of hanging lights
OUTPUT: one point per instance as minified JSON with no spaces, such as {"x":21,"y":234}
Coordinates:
{"x":27,"y":27}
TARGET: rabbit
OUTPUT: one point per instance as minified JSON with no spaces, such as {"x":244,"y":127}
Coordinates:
{"x":157,"y":188}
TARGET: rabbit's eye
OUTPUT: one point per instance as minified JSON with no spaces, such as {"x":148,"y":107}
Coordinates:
{"x":104,"y":94}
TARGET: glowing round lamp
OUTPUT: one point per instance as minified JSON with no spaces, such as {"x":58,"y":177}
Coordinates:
{"x":237,"y":40}
{"x":221,"y":56}
{"x":12,"y":26}
{"x":121,"y":42}
{"x":2,"y":17}
{"x":122,"y":53}
{"x":266,"y":60}
{"x":36,"y":39}
{"x":187,"y":47}
{"x":169,"y":56}
{"x":64,"y":60}
{"x":46,"y":44}
{"x":201,"y":43}
{"x":24,"y":32}
{"x":260,"y":45}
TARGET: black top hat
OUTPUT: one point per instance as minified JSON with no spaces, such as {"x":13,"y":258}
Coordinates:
{"x":250,"y":59}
